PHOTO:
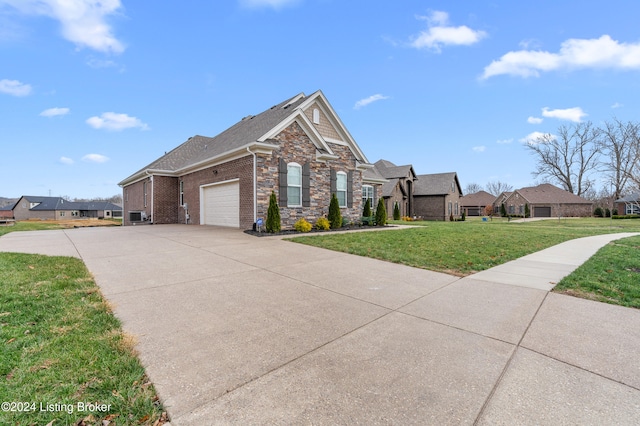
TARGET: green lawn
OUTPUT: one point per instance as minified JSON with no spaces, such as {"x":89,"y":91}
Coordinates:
{"x":463,"y":248}
{"x":62,"y":347}
{"x":612,"y":275}
{"x":29,"y":226}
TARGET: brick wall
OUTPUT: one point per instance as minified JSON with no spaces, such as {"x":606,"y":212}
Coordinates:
{"x":165,"y":199}
{"x":133,"y":200}
{"x":431,"y":207}
{"x":241,"y":169}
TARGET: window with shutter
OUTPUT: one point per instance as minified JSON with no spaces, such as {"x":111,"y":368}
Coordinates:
{"x":294,"y":185}
{"x":341,"y":188}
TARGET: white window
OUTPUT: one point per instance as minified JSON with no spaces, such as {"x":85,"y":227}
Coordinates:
{"x":316,"y":116}
{"x":341,"y":188}
{"x":294,"y":185}
{"x":367,"y":194}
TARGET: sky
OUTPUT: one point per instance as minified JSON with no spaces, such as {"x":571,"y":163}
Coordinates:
{"x":93,"y":90}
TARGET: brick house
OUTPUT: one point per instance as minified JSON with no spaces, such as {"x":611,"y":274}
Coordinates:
{"x":629,"y":204}
{"x":547,"y":200}
{"x":299,"y":149}
{"x":57,"y":208}
{"x":437,"y":196}
{"x":398,"y":188}
{"x":475,"y":204}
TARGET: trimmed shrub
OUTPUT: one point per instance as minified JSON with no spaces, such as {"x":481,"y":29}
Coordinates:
{"x":464,"y":216}
{"x":527,"y":211}
{"x":614,"y":212}
{"x":396,"y":211}
{"x":503,"y":210}
{"x":273,"y":215}
{"x":607,"y":212}
{"x":323,"y":224}
{"x":335,"y":217}
{"x":381,"y":213}
{"x":598,"y":212}
{"x":626,"y":216}
{"x":302,"y":225}
{"x":367,"y":208}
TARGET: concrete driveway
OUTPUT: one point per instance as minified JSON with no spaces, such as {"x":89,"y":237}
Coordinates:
{"x":235,"y":329}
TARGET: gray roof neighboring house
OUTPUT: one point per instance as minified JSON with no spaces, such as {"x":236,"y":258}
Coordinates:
{"x":631,"y":198}
{"x":435,"y":184}
{"x":59,"y":203}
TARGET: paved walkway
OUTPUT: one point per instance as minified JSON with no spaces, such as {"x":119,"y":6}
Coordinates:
{"x":235,"y":329}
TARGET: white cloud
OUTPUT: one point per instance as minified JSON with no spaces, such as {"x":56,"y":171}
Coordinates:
{"x":66,"y":160}
{"x":534,"y":137}
{"x":52,"y":112}
{"x":366,"y":101}
{"x":570,"y":114}
{"x":504,"y":141}
{"x":116,"y":122}
{"x":14,"y":87}
{"x":617,"y":105}
{"x":603,"y":52}
{"x":83,"y":21}
{"x":275,"y":4}
{"x":481,"y":148}
{"x":439,"y":33}
{"x":95,"y":158}
{"x":534,"y":120}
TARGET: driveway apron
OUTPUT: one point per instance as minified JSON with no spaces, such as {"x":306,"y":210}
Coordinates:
{"x":234,"y":329}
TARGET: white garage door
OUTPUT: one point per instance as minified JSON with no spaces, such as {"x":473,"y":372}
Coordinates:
{"x":221,"y":204}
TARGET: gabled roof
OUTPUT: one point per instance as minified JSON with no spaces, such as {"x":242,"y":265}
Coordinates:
{"x":46,"y":203}
{"x":390,"y":170}
{"x":549,"y":194}
{"x":372,"y":175}
{"x":435,"y":184}
{"x":254,"y":132}
{"x":480,"y":198}
{"x":631,"y":198}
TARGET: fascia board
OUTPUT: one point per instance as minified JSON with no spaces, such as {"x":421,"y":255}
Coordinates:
{"x":298,"y":116}
{"x":337,"y":123}
{"x":260,"y":147}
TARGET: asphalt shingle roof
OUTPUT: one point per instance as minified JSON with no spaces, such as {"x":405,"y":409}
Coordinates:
{"x":201,"y":148}
{"x":480,"y":198}
{"x":434,"y":184}
{"x":550,"y":194}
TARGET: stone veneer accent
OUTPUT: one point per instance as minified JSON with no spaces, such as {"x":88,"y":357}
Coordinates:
{"x":295,"y":146}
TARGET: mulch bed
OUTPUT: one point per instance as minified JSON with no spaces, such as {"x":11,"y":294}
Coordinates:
{"x":293,"y":232}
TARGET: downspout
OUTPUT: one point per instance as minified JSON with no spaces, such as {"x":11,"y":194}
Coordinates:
{"x":151,"y":177}
{"x":255,"y":186}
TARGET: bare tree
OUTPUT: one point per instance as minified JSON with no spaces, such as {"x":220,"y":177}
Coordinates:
{"x":619,"y":144}
{"x":496,"y":187}
{"x":472,"y":188}
{"x":569,"y":158}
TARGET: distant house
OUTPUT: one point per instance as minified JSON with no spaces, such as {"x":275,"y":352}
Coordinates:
{"x":475,"y":204}
{"x":57,"y":208}
{"x":629,"y":204}
{"x":500,"y":200}
{"x":437,"y":196}
{"x":398,"y":188}
{"x":298,"y":149}
{"x":6,"y":212}
{"x":547,"y":200}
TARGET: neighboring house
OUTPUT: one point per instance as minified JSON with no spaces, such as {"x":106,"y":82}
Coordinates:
{"x":475,"y":204}
{"x":547,"y":200}
{"x":629,"y":204}
{"x":398,"y":188}
{"x":500,"y":200}
{"x":6,"y":212}
{"x":437,"y":196}
{"x":57,"y":208}
{"x":299,"y":149}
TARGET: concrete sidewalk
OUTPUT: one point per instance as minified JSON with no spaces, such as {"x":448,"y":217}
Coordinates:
{"x":235,"y":329}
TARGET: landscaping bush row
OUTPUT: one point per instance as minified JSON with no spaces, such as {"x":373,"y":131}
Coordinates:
{"x":626,"y":216}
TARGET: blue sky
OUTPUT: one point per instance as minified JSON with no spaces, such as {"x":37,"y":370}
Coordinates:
{"x":93,"y":90}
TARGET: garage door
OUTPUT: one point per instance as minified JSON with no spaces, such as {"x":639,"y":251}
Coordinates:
{"x":221,"y":204}
{"x":542,"y":212}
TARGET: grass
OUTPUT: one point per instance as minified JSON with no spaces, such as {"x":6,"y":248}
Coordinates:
{"x":29,"y":226}
{"x":612,"y":275}
{"x":61,"y":344}
{"x":463,"y":248}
